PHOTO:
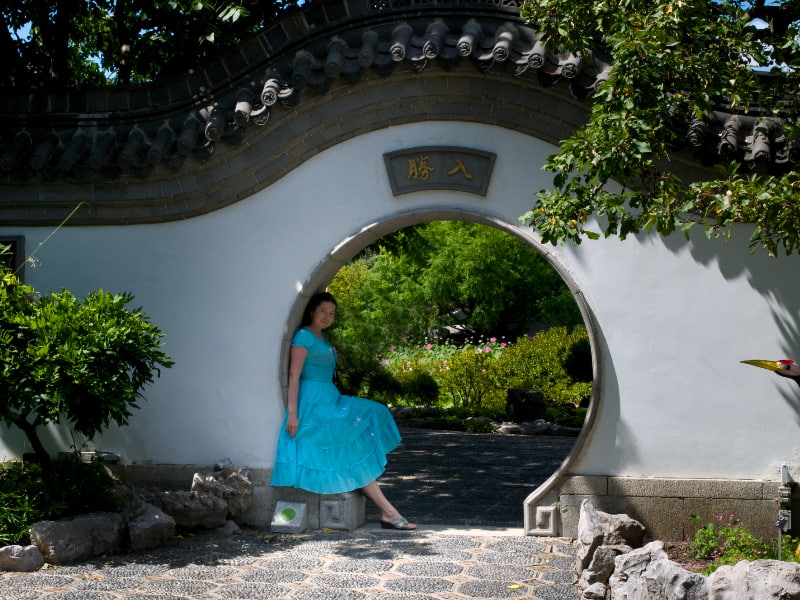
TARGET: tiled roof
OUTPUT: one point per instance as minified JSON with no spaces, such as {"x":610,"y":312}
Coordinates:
{"x":116,"y":136}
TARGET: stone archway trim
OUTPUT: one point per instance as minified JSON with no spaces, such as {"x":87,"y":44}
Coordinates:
{"x":541,"y":508}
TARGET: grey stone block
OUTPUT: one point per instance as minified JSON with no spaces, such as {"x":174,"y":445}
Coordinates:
{"x":668,"y":507}
{"x":585,"y":484}
{"x":345,"y":511}
{"x":259,"y":514}
{"x":290,"y":517}
{"x":660,"y":487}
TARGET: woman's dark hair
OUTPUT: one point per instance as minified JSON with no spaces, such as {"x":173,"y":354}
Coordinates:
{"x":313,"y":303}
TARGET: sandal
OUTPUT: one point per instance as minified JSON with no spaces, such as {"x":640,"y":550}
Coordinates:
{"x":401,"y":524}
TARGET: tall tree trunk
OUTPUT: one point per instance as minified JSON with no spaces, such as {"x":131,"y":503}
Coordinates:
{"x":30,"y":432}
{"x":59,"y":57}
{"x":123,"y":58}
{"x":9,"y":52}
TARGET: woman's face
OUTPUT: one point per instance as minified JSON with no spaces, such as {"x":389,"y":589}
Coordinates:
{"x":324,"y":315}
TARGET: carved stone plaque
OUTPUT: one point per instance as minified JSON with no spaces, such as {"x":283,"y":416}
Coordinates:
{"x":439,"y":168}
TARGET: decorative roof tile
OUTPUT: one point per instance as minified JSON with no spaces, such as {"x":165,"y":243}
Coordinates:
{"x":111,"y":136}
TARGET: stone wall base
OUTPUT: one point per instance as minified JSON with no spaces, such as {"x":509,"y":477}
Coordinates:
{"x":337,"y":511}
{"x":670,"y":509}
{"x":673,"y":509}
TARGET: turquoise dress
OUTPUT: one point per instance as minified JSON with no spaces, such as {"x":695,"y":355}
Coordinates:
{"x":341,"y":441}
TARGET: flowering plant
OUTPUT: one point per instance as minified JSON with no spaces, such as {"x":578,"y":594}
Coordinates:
{"x":726,"y":541}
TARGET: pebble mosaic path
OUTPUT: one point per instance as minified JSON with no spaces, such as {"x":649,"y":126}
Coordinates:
{"x":367,"y":563}
{"x":464,"y":490}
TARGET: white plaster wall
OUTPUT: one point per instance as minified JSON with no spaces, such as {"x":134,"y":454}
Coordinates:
{"x":674,"y":318}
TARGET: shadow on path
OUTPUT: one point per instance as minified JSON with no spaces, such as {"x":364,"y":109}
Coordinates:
{"x":456,"y":478}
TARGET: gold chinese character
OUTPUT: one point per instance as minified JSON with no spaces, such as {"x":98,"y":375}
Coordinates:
{"x":460,"y":167}
{"x":419,"y":169}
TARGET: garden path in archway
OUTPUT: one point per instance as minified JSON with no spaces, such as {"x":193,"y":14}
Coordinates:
{"x":479,"y":479}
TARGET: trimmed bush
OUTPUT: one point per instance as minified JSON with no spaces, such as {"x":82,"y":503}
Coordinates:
{"x":71,"y":488}
{"x":471,"y":379}
{"x":539,"y":363}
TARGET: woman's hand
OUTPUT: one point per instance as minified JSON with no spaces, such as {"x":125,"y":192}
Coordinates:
{"x":291,"y":425}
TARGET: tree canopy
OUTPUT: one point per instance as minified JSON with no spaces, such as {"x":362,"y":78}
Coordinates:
{"x":415,"y":283}
{"x":674,"y":62}
{"x":61,"y":44}
{"x":443,"y":281}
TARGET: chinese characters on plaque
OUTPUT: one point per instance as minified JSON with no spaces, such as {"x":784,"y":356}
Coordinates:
{"x":439,"y":168}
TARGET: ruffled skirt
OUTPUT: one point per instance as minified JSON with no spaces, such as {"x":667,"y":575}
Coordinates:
{"x":340,"y":445}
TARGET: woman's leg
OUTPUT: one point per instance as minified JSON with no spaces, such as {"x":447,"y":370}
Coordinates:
{"x":388,"y":512}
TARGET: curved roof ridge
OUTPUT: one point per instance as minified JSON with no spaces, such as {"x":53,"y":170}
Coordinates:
{"x":117,"y":136}
{"x":106,"y":133}
{"x":292,"y":32}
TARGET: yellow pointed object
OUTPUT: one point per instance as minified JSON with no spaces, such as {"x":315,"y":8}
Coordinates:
{"x":772,"y":365}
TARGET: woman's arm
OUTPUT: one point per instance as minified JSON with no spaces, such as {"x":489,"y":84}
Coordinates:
{"x":297,"y":356}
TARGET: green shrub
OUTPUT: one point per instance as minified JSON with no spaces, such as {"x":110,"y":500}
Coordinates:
{"x":416,"y":371}
{"x":471,"y":379}
{"x":418,"y":387}
{"x":445,"y":422}
{"x":85,"y":362}
{"x":478,"y":376}
{"x":726,"y":541}
{"x":425,"y":412}
{"x":72,"y":488}
{"x":455,"y":418}
{"x":566,"y":415}
{"x":378,"y":385}
{"x":21,"y":491}
{"x":473,"y":425}
{"x":538,"y":363}
{"x":578,"y":363}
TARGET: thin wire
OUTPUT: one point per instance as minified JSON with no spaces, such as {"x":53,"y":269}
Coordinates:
{"x":52,"y":233}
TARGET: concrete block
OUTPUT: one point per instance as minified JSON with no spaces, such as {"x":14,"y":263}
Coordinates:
{"x":260,"y":477}
{"x":310,"y":499}
{"x":343,"y":511}
{"x":672,"y":518}
{"x":289,"y":517}
{"x":698,"y":512}
{"x":596,"y":485}
{"x":757,"y":516}
{"x":569,"y":511}
{"x":663,"y":487}
{"x":663,"y":518}
{"x":261,"y":509}
{"x":546,"y":522}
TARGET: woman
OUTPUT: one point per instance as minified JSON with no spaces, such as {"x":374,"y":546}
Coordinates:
{"x":330,"y":443}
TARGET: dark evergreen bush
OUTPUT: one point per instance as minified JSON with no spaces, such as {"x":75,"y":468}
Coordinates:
{"x":72,"y":487}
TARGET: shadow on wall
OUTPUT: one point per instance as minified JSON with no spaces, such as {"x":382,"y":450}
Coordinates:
{"x":770,"y":277}
{"x":605,"y":418}
{"x":53,"y":438}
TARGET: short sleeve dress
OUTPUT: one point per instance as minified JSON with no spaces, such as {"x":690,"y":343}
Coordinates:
{"x":341,"y":441}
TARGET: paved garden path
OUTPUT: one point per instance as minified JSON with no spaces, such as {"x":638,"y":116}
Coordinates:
{"x":453,"y":478}
{"x":465,"y":491}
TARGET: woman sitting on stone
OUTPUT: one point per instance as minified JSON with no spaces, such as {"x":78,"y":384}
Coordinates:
{"x":331,"y":443}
